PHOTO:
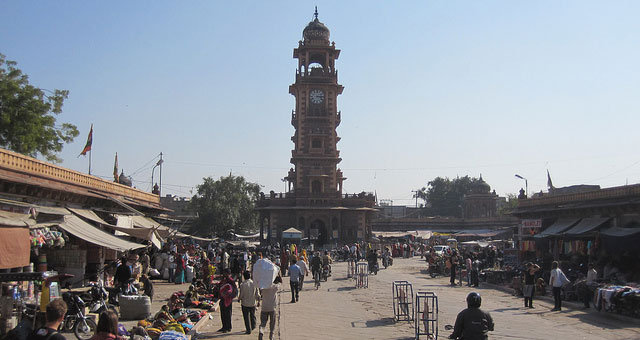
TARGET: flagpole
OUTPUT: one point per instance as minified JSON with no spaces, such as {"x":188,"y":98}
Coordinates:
{"x":90,"y":162}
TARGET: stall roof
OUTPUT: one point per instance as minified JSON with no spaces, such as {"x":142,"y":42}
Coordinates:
{"x":88,"y":214}
{"x":12,"y":219}
{"x":256,"y":235}
{"x":586,"y":225}
{"x":292,"y":230}
{"x":425,"y":234}
{"x":558,"y":227}
{"x":620,"y":232}
{"x":81,"y":229}
{"x":479,"y":233}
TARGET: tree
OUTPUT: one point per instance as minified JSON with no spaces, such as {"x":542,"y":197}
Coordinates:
{"x":27,"y":115}
{"x":443,"y":196}
{"x":224,"y":204}
{"x":512,"y":203}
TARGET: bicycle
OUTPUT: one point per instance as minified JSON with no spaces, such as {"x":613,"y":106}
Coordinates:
{"x":316,"y":279}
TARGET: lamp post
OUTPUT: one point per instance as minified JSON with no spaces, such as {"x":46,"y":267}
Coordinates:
{"x":158,"y":164}
{"x":526,"y":185}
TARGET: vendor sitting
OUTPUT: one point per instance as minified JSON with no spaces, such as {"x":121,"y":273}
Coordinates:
{"x":191,"y":298}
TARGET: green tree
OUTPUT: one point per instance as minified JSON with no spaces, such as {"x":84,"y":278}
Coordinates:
{"x":512,"y":203}
{"x":28,"y":116}
{"x":226,"y":203}
{"x":443,"y":196}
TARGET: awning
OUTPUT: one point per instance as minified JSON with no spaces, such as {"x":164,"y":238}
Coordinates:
{"x":557,"y":228}
{"x":256,"y":235}
{"x":586,"y":225}
{"x":424,"y":234}
{"x":12,"y":219}
{"x":52,"y":210}
{"x":88,"y":214}
{"x":15,"y":246}
{"x":81,"y":229}
{"x":479,"y":233}
{"x":620,"y":232}
{"x":140,"y":233}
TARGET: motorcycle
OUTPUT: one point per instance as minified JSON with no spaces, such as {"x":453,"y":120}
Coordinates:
{"x":83,"y":327}
{"x":98,"y":296}
{"x":373,"y":267}
{"x":326,"y":272}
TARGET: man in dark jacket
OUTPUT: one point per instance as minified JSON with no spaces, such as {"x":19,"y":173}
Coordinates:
{"x":472,"y":323}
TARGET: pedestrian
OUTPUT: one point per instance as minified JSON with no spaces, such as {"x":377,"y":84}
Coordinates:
{"x":469,"y":265}
{"x":180,"y":268}
{"x":303,"y":267}
{"x":268,"y":310}
{"x":172,"y":267}
{"x":145,"y":261}
{"x":529,"y":284}
{"x":295,"y":273}
{"x":556,"y":281}
{"x":454,"y":266}
{"x":148,"y":287}
{"x":54,"y":315}
{"x":107,"y":328}
{"x":228,"y":291}
{"x":249,"y":298}
{"x":592,"y":275}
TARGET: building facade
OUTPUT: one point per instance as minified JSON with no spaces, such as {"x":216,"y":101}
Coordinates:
{"x":314,"y":202}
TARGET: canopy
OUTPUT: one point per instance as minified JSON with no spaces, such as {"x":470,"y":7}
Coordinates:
{"x":88,"y":214}
{"x":586,"y":225}
{"x":256,"y":235}
{"x":81,"y":229}
{"x":620,"y":232}
{"x":15,"y":242}
{"x":557,"y":228}
{"x":292,"y":233}
{"x":424,"y":234}
{"x":479,"y":233}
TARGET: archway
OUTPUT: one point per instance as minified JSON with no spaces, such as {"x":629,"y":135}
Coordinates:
{"x":319,"y":228}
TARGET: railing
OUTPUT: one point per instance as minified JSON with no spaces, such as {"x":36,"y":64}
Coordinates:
{"x":24,"y":164}
{"x":608,"y":193}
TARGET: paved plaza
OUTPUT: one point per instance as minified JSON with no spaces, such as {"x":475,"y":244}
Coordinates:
{"x":340,"y":311}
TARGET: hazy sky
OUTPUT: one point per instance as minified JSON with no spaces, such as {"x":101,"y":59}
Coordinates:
{"x":432,"y":88}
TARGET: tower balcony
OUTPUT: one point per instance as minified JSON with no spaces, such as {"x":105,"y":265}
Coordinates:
{"x":294,"y":118}
{"x":317,"y":75}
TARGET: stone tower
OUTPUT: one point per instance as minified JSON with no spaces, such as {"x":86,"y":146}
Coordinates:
{"x":314,"y":203}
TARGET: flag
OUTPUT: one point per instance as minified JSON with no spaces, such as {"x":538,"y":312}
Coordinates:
{"x":87,"y":147}
{"x":115,"y":169}
{"x":549,"y":183}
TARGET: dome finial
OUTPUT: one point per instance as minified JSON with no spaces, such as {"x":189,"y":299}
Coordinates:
{"x":315,"y":14}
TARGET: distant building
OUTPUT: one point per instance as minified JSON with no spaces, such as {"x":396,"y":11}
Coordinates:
{"x":480,"y":201}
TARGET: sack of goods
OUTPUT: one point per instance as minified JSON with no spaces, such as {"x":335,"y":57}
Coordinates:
{"x":134,"y":307}
{"x":264,"y":272}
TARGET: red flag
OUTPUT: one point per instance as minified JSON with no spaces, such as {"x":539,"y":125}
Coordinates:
{"x":87,"y":147}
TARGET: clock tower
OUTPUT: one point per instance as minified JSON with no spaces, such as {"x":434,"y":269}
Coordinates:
{"x":315,"y":155}
{"x":314,"y":203}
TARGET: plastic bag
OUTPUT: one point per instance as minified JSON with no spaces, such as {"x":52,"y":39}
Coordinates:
{"x":264,"y":272}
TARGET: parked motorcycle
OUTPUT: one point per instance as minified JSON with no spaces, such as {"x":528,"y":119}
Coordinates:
{"x":98,"y":296}
{"x":83,"y":327}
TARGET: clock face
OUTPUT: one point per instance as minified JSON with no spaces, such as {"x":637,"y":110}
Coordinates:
{"x":316,"y":96}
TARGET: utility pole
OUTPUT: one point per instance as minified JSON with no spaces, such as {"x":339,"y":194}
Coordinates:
{"x":160,"y":161}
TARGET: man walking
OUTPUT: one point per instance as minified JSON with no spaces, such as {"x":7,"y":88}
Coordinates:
{"x":304,"y":269}
{"x":269,"y":303}
{"x":249,"y":298}
{"x":295,"y":274}
{"x":56,"y":310}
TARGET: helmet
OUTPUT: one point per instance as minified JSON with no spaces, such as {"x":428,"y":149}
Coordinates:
{"x":474,"y":300}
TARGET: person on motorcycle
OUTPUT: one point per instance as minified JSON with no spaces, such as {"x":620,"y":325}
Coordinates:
{"x":472,"y":323}
{"x":373,"y":259}
{"x":326,"y":261}
{"x":385,"y":257}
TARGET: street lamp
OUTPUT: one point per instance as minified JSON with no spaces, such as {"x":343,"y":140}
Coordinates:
{"x":526,"y":185}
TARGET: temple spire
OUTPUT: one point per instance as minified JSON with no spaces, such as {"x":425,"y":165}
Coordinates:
{"x":315,"y":14}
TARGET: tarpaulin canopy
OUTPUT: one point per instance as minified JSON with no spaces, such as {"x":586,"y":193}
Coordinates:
{"x":81,"y":229}
{"x":620,"y":232}
{"x":292,"y":233}
{"x":88,"y":214}
{"x":15,"y":242}
{"x":479,"y":233}
{"x":424,"y":234}
{"x":146,"y":222}
{"x":139,"y":233}
{"x":52,"y":210}
{"x":557,"y":228}
{"x":586,"y":225}
{"x":256,"y":235}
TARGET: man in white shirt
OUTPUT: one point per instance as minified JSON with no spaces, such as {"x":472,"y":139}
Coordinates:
{"x":249,"y":298}
{"x":295,"y":274}
{"x":269,"y":304}
{"x":304,"y":270}
{"x":592,"y":275}
{"x":556,"y":281}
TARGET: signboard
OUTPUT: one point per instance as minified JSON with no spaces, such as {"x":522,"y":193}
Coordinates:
{"x":530,"y":227}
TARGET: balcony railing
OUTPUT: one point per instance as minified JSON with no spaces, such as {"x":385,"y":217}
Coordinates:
{"x":30,"y":166}
{"x":602,"y":194}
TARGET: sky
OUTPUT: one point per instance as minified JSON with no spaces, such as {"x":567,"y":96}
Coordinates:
{"x":432,"y":88}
